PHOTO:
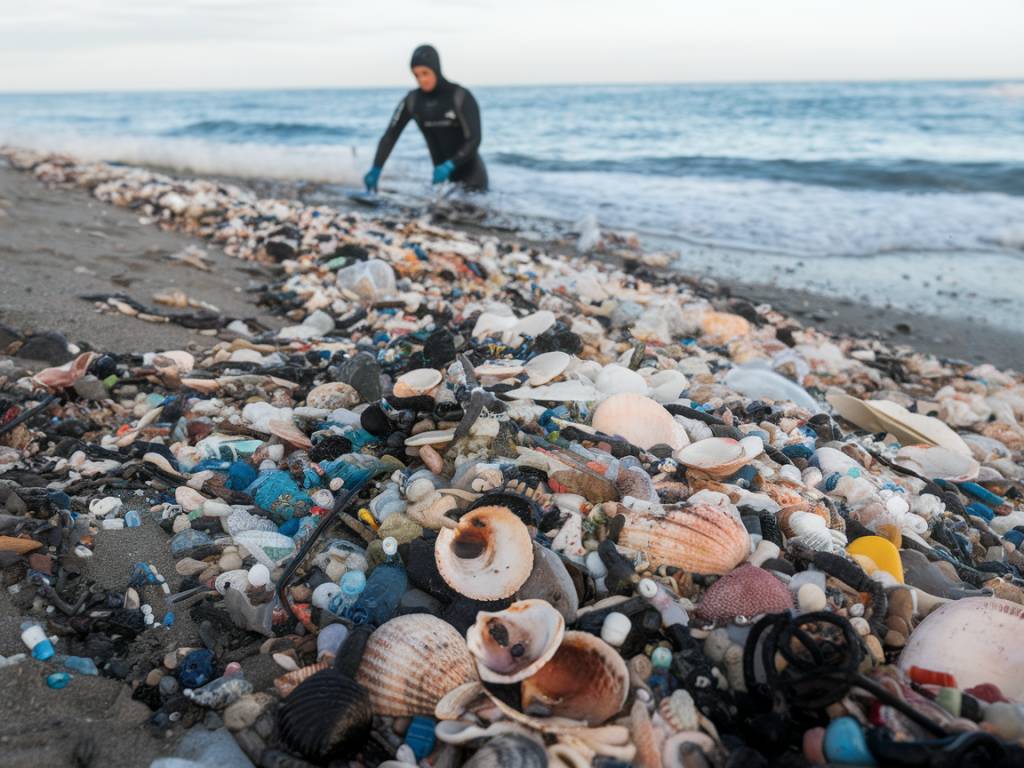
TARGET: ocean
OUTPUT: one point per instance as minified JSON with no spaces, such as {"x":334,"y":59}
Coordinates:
{"x":882,"y":191}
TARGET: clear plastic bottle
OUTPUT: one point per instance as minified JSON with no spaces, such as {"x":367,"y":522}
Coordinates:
{"x":384,"y":589}
{"x":666,"y":603}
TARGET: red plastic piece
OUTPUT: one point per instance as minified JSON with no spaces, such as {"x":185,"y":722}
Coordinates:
{"x":931,"y":677}
{"x":987,"y":692}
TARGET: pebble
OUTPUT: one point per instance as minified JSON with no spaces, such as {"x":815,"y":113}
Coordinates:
{"x":810,"y":597}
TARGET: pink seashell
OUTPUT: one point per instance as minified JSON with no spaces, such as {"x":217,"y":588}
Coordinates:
{"x":640,"y":420}
{"x":747,"y":591}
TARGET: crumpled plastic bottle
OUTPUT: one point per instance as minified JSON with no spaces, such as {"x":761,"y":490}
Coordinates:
{"x":384,"y":589}
{"x":370,"y":280}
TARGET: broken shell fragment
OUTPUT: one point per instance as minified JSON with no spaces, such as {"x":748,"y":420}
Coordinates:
{"x":511,"y":645}
{"x":487,"y":556}
{"x":546,"y":366}
{"x":720,"y":456}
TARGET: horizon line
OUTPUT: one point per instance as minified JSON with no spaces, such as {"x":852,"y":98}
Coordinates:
{"x":579,"y":84}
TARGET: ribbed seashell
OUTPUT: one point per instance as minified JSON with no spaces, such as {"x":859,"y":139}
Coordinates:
{"x":800,"y":523}
{"x":786,"y":497}
{"x":720,"y":456}
{"x":819,"y":541}
{"x":747,"y":591}
{"x":332,"y":395}
{"x":512,"y":644}
{"x":640,"y":420}
{"x":487,"y":556}
{"x":509,"y":751}
{"x":585,"y":680}
{"x":975,"y":639}
{"x":327,"y":715}
{"x":287,"y":432}
{"x":645,"y":738}
{"x":411,"y":663}
{"x":699,"y":537}
{"x":289,"y":681}
{"x":418,"y":382}
{"x":545,"y":367}
{"x":679,"y":711}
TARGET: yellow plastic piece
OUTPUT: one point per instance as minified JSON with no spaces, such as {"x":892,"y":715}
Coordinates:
{"x":882,"y":552}
{"x":366,"y":517}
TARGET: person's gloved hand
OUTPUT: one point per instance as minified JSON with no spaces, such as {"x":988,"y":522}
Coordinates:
{"x":443,"y":171}
{"x":371,"y":178}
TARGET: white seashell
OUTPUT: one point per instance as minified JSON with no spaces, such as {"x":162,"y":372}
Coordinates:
{"x":720,"y":456}
{"x":667,"y":386}
{"x":493,"y":323}
{"x":500,"y":369}
{"x":938,"y":463}
{"x":975,"y":639}
{"x":533,"y":324}
{"x":615,"y":379}
{"x":487,"y":556}
{"x":570,"y":538}
{"x":189,"y":498}
{"x":433,"y":437}
{"x":803,"y":523}
{"x":104,"y":506}
{"x":560,"y":391}
{"x":512,"y":644}
{"x":418,"y":382}
{"x":545,"y":367}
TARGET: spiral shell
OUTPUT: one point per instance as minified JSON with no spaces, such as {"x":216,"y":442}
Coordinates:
{"x":513,"y":644}
{"x":585,"y":680}
{"x":411,"y":663}
{"x":700,"y":537}
{"x":487,"y":556}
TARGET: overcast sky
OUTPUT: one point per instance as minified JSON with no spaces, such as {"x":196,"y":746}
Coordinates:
{"x":192,"y":44}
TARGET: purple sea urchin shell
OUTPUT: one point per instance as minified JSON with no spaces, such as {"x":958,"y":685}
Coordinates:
{"x":747,"y":591}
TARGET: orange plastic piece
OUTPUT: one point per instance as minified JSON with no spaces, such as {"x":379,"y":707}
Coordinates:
{"x":931,"y":677}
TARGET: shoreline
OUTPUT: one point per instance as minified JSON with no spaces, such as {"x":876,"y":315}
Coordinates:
{"x":62,"y":242}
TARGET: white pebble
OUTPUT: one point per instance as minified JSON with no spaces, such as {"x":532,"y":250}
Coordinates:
{"x":811,"y":597}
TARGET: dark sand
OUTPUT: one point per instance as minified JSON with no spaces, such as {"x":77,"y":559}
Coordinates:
{"x":56,"y":244}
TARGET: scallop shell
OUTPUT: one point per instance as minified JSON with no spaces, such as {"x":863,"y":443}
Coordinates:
{"x":938,"y":463}
{"x":975,"y":639}
{"x":720,"y":456}
{"x":699,"y":537}
{"x":418,"y":382}
{"x":287,"y":432}
{"x":487,"y":556}
{"x":411,"y":663}
{"x":585,"y":680}
{"x":289,"y":681}
{"x":640,"y":420}
{"x":511,"y":645}
{"x":545,"y":367}
{"x":332,"y":395}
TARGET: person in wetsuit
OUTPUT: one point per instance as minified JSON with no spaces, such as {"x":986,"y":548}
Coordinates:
{"x":448,"y":117}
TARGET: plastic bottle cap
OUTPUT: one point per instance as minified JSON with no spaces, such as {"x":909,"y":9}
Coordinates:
{"x":648,"y":588}
{"x":661,"y":658}
{"x":390,"y":545}
{"x":616,"y":629}
{"x":259,"y":575}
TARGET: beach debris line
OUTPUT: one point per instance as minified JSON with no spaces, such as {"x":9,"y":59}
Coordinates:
{"x":481,"y":504}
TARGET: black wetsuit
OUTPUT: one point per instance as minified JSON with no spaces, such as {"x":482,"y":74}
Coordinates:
{"x":449,"y":119}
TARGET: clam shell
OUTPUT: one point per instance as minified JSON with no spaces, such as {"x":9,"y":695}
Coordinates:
{"x":615,"y":379}
{"x":332,"y":395}
{"x":720,"y":327}
{"x":640,"y":420}
{"x":288,"y":433}
{"x":585,"y":680}
{"x":699,"y":537}
{"x":513,"y":644}
{"x":720,"y":456}
{"x":418,"y":382}
{"x":545,"y":367}
{"x":975,"y":639}
{"x":487,"y":556}
{"x":666,"y":386}
{"x":411,"y":663}
{"x":328,"y":715}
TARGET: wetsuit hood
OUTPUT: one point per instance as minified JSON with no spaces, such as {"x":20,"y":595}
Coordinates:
{"x":427,"y":56}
